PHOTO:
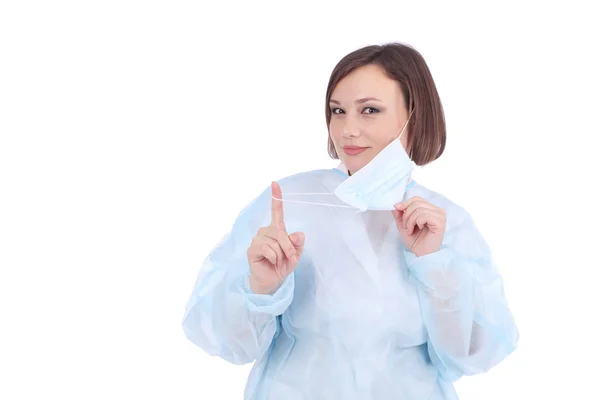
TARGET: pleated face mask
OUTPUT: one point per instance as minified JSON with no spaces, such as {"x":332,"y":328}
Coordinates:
{"x":379,"y":185}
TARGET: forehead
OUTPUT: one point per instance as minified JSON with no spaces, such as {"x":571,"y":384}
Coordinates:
{"x":365,"y":81}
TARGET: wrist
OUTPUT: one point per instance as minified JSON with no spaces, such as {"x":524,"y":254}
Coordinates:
{"x":423,"y":253}
{"x":257,"y":288}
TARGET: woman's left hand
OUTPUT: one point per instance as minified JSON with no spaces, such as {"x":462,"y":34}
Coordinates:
{"x":421,"y":225}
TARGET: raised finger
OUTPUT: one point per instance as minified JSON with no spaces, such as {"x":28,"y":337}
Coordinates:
{"x":276,"y":206}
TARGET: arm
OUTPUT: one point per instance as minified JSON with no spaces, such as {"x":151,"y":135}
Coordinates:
{"x":223,"y":316}
{"x":470,"y":327}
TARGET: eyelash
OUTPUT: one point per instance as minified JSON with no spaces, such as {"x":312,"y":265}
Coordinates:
{"x":373,"y":108}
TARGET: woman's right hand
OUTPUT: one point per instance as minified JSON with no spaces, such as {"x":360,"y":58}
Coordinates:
{"x":273,"y":254}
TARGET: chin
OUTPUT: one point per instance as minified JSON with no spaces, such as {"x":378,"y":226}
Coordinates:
{"x":354,"y":165}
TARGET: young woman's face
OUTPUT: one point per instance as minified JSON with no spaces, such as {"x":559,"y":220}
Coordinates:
{"x":361,"y":128}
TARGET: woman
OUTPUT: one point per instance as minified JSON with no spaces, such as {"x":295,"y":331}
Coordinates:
{"x":357,"y":282}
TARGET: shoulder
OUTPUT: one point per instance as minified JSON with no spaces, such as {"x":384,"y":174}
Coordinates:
{"x":461,"y":233}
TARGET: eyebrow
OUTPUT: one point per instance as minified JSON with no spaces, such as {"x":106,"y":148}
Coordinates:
{"x":359,"y":101}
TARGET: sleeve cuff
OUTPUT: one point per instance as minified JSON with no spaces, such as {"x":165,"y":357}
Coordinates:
{"x":438,"y":272}
{"x":274,"y":304}
{"x":420,"y":267}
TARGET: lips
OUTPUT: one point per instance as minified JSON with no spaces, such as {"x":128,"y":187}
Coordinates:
{"x":354,"y":150}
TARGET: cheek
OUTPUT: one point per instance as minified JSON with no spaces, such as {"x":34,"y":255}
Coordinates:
{"x":334,"y":132}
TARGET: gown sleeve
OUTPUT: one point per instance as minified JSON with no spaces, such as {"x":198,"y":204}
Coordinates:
{"x":222,"y":315}
{"x":469,"y":325}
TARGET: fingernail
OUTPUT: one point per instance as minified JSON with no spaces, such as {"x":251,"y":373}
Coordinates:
{"x":295,"y":259}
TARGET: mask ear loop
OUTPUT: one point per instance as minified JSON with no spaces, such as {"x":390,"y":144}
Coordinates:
{"x":310,"y":202}
{"x":406,"y":124}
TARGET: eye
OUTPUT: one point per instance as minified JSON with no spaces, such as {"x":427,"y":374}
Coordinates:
{"x":333,"y":110}
{"x":371,"y":108}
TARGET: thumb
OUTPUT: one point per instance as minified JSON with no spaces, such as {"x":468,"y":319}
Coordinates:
{"x":297,"y":239}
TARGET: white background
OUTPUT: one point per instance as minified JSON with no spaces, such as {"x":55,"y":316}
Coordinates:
{"x":133,"y":132}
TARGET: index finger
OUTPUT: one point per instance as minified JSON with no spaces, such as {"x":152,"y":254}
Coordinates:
{"x":406,"y":203}
{"x":276,"y":206}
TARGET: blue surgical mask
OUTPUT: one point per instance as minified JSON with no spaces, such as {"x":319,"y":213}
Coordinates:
{"x":379,"y":185}
{"x":382,"y":182}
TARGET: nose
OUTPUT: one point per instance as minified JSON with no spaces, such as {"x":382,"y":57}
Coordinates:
{"x":350,"y":129}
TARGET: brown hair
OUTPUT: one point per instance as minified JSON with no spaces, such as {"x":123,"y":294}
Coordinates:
{"x":426,"y":129}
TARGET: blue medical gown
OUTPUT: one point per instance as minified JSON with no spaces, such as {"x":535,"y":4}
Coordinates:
{"x":361,"y":317}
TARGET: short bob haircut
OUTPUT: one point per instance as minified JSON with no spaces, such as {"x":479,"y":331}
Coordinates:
{"x":427,"y":128}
